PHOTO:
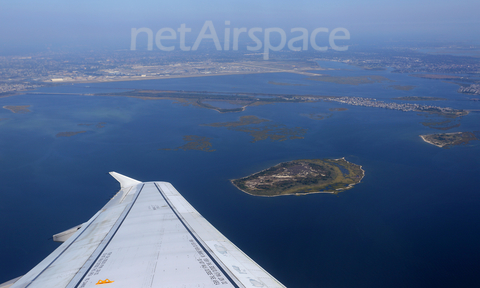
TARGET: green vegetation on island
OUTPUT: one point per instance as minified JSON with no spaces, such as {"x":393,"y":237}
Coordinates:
{"x":442,"y":125}
{"x":300,"y":177}
{"x":272,"y":131}
{"x":194,"y":142}
{"x":244,"y":120}
{"x":18,"y":109}
{"x":447,"y":140}
{"x":445,"y":112}
{"x":204,"y":99}
{"x":242,"y":100}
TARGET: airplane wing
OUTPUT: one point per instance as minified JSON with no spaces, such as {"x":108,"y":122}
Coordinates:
{"x":147,"y":235}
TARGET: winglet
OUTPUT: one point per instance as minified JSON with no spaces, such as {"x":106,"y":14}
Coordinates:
{"x":124,"y":180}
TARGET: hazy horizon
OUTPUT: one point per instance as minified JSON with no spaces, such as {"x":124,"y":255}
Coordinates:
{"x":38,"y":26}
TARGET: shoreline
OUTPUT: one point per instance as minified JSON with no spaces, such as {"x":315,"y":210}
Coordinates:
{"x":430,"y":142}
{"x":338,"y":190}
{"x":140,"y":78}
{"x":296,"y":194}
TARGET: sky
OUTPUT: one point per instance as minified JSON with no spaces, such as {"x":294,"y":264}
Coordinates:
{"x":107,"y":23}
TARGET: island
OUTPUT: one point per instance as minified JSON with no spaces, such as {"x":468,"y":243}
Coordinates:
{"x":226,"y":102}
{"x":18,"y":109}
{"x":194,"y":142}
{"x":317,"y":116}
{"x":273,"y":131}
{"x":446,"y":140}
{"x":442,"y":125}
{"x":402,"y":87}
{"x":223,"y":102}
{"x":301,"y":177}
{"x":69,"y":134}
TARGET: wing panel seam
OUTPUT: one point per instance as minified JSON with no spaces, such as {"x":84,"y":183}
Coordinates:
{"x":98,"y":252}
{"x":61,"y":253}
{"x":200,"y":243}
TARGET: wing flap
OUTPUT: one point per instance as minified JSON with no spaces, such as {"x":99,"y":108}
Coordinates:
{"x":63,"y":236}
{"x":9,"y":284}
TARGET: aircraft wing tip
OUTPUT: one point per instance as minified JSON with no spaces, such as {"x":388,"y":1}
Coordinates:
{"x":125,"y":181}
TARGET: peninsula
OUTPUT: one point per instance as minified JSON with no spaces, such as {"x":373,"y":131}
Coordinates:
{"x":301,"y":177}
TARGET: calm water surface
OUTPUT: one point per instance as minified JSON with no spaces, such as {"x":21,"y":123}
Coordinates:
{"x":414,"y":221}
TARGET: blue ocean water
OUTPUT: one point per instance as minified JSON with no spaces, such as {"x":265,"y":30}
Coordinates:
{"x":413,"y":221}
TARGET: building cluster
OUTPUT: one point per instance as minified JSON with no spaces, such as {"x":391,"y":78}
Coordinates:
{"x":21,"y":73}
{"x":14,"y":87}
{"x":408,"y":61}
{"x":472,"y":89}
{"x":370,"y":102}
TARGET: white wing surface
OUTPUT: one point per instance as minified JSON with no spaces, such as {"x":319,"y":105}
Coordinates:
{"x":148,"y":235}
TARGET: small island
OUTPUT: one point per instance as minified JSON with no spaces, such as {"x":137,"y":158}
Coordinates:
{"x":442,"y":125}
{"x":194,"y":142}
{"x":69,"y":134}
{"x":317,"y":116}
{"x":272,"y":131}
{"x":402,"y":87}
{"x":18,"y":109}
{"x":446,"y":140}
{"x":301,"y":177}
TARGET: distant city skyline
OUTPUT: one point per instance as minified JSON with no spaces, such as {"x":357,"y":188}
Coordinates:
{"x":95,"y":24}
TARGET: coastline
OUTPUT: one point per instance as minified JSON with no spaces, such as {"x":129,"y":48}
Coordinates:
{"x":430,"y":142}
{"x":338,"y":190}
{"x":139,"y":78}
{"x":452,"y":139}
